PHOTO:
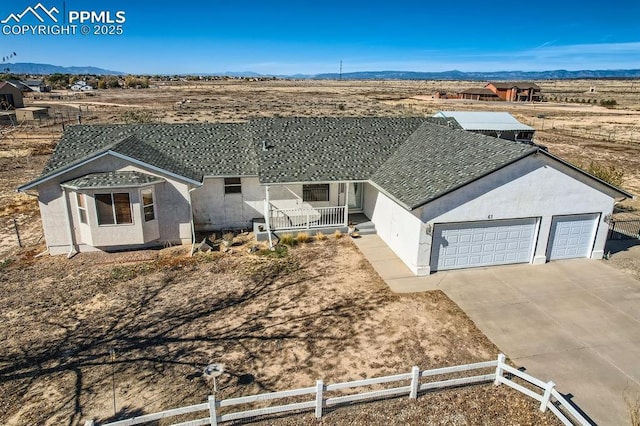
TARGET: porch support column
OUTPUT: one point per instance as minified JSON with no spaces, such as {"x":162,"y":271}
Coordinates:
{"x":346,"y":204}
{"x":267,"y":215}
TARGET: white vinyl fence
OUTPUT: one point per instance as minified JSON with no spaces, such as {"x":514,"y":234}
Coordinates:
{"x":321,"y":396}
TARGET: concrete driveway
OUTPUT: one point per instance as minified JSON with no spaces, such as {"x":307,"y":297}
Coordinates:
{"x":575,"y":322}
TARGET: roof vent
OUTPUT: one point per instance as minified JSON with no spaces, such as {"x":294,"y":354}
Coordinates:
{"x":266,"y":146}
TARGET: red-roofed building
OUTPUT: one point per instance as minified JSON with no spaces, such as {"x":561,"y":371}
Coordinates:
{"x":516,"y":91}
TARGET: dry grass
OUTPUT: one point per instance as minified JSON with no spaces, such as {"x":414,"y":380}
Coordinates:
{"x":633,"y":407}
{"x":287,"y":239}
{"x":302,"y":237}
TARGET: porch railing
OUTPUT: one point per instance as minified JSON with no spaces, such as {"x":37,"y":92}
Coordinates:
{"x":306,"y":218}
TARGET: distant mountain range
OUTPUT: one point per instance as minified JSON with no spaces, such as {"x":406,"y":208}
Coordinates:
{"x":497,"y":75}
{"x":32,"y":68}
{"x":45,"y":69}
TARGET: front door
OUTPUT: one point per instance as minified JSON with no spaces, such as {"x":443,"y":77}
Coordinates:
{"x":355,"y":195}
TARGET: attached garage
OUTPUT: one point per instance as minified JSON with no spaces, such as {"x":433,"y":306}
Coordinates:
{"x":572,"y":236}
{"x":483,"y":243}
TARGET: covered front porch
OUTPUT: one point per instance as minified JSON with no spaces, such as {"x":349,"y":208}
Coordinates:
{"x":311,"y":208}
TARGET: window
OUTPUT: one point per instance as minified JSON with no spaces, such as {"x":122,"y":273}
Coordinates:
{"x":315,"y":192}
{"x":232,"y":186}
{"x":82,"y":208}
{"x":113,"y":209}
{"x":147,"y":205}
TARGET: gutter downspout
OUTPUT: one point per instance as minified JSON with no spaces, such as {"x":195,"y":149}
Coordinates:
{"x":193,"y":226}
{"x":72,"y":239}
{"x":267,"y":217}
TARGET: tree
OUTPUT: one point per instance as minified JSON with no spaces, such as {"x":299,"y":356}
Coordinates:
{"x":136,"y":82}
{"x":59,"y":81}
{"x":608,"y":103}
{"x":108,"y":82}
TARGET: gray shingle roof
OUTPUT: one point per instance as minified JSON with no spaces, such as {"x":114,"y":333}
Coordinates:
{"x":436,"y":160}
{"x":412,"y":159}
{"x":326,"y":149}
{"x":188,"y":150}
{"x":112,"y":180}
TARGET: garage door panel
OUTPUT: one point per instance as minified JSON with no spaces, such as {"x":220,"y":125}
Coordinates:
{"x":572,"y":236}
{"x":471,"y":244}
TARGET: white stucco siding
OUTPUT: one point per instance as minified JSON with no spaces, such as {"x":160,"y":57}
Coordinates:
{"x":213,"y":209}
{"x":53,"y":211}
{"x":399,"y":228}
{"x":171,"y":203}
{"x":536,"y":187}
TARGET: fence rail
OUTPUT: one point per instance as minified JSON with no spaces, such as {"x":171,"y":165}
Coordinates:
{"x":307,"y":218}
{"x":545,"y":393}
{"x":624,"y":229}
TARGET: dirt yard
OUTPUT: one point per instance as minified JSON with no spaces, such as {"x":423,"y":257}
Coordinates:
{"x":275,"y":323}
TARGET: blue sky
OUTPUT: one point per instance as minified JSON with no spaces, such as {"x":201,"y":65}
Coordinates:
{"x":309,"y":37}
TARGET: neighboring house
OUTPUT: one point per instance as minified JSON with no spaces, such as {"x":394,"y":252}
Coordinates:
{"x":10,"y":97}
{"x":441,"y":198}
{"x":497,"y":124}
{"x":516,"y":91}
{"x":36,"y":85}
{"x":480,"y":94}
{"x":20,"y":86}
{"x":81,"y":86}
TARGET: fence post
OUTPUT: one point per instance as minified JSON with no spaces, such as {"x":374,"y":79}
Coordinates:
{"x":547,"y":396}
{"x":213,"y":417}
{"x":319,"y":398}
{"x":415,"y":382}
{"x":501,"y":359}
{"x":15,"y":226}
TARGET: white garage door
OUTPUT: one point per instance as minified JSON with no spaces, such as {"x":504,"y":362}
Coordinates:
{"x":472,"y":244}
{"x":572,"y":236}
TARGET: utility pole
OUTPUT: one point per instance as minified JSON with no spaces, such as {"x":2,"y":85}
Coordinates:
{"x":340,"y":78}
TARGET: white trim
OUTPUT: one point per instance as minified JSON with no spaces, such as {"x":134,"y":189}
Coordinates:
{"x":98,"y":156}
{"x":149,"y":166}
{"x":151,"y":191}
{"x":113,"y":209}
{"x":82,"y":209}
{"x":131,"y":186}
{"x":306,"y":182}
{"x":228,"y":176}
{"x":61,"y":172}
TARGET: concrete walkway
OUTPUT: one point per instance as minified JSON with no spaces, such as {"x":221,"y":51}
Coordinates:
{"x":575,"y":322}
